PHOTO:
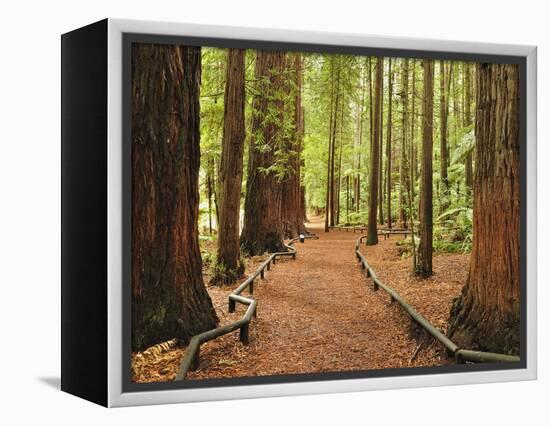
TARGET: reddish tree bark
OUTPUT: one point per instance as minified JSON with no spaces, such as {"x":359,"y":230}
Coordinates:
{"x":329,"y":151}
{"x":425,"y":248}
{"x":487,"y":314}
{"x":372,"y":233}
{"x":444,"y":85}
{"x":229,"y":266}
{"x":403,"y":169}
{"x":168,"y":294}
{"x":293,"y":215}
{"x":263,"y":229}
{"x":333,"y":194}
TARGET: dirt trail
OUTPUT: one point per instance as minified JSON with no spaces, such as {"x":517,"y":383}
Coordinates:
{"x":319,"y":313}
{"x":316,"y":313}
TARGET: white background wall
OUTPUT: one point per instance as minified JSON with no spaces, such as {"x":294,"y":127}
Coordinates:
{"x":30,"y":209}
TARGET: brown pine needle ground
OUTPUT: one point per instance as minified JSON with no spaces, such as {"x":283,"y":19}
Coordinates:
{"x":318,"y":313}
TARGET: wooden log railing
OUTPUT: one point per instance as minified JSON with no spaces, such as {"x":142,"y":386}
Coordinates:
{"x":360,"y":228}
{"x":191,"y":357}
{"x":460,"y":354}
{"x":385,"y":232}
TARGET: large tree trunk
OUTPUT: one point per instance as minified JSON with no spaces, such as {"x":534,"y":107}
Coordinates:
{"x":293,"y":215}
{"x":487,"y":314}
{"x":168,"y":294}
{"x":424,"y":266}
{"x":263,"y":230}
{"x":229,"y":266}
{"x":372,"y":233}
{"x":403,"y":160}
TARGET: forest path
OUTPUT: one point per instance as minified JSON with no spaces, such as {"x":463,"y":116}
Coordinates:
{"x":317,"y":313}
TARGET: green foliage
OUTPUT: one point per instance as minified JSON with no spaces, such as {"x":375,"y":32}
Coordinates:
{"x":406,"y":247}
{"x":465,"y":145}
{"x":319,"y":76}
{"x":358,"y":218}
{"x":454,"y":230}
{"x":280,"y":105}
{"x":212,"y":102}
{"x":221,"y":274}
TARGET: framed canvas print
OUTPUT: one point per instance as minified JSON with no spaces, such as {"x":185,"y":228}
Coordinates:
{"x":251,"y":212}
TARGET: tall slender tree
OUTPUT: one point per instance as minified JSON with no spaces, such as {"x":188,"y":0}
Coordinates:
{"x":424,"y":266}
{"x":263,"y":229}
{"x":412,"y":167}
{"x":444,"y":84}
{"x":209,"y":191}
{"x":168,"y":294}
{"x":333,"y":144}
{"x":389,"y":144}
{"x":229,"y":266}
{"x":487,"y":314}
{"x":403,"y":169}
{"x":374,"y":175}
{"x":359,"y":138}
{"x":381,"y":155}
{"x":293,"y":216}
{"x":412,"y":157}
{"x":328,"y":201}
{"x":340,"y":147}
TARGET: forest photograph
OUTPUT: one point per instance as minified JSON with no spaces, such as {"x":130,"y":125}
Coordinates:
{"x":298,"y":213}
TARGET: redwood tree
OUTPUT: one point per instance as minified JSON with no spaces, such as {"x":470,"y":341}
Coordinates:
{"x":372,"y":233}
{"x":333,"y":146}
{"x":229,"y":266}
{"x":168,"y":294}
{"x":404,"y":131}
{"x":487,"y":314}
{"x":293,"y":215}
{"x":424,"y":266}
{"x":263,"y":229}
